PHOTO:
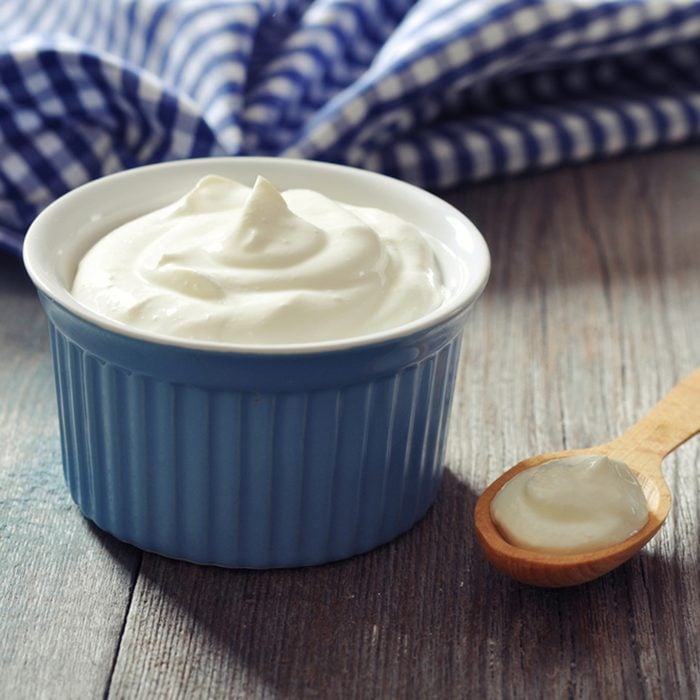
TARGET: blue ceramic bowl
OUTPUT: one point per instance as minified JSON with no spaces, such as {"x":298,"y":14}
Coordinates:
{"x":240,"y":455}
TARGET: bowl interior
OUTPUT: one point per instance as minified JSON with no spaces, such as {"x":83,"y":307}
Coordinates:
{"x":63,"y":233}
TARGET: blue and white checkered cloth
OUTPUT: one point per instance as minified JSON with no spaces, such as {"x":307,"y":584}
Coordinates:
{"x":432,"y":91}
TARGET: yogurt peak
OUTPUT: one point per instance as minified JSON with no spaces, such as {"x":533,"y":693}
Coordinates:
{"x":243,"y":265}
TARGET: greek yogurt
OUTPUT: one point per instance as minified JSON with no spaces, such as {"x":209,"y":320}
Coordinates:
{"x":243,"y":265}
{"x":571,"y":505}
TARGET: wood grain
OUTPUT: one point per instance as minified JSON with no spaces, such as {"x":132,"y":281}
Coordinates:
{"x":64,"y":586}
{"x":591,"y":315}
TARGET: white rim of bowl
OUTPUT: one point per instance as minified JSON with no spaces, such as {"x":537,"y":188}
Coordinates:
{"x":458,"y":302}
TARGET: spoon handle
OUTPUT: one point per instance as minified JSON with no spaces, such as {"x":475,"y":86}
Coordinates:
{"x":671,"y":422}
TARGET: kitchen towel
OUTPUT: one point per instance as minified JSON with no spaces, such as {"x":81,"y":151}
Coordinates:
{"x":437,"y":92}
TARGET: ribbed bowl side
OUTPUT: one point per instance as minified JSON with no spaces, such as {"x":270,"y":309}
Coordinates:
{"x":247,"y":479}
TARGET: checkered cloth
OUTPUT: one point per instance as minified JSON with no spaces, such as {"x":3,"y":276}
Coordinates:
{"x":437,"y":92}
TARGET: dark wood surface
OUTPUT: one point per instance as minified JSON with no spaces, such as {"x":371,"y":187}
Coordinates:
{"x":592,"y":313}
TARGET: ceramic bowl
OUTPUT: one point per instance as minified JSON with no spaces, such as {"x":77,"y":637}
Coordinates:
{"x":241,"y":455}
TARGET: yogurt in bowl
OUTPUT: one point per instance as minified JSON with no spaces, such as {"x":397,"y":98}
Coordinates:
{"x":239,"y":264}
{"x":265,"y":447}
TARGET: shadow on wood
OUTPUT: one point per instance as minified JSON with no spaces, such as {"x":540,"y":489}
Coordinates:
{"x":329,"y":629}
{"x":421,"y":616}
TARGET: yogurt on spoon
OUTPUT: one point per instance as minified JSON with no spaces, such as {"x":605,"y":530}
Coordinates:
{"x":571,"y":505}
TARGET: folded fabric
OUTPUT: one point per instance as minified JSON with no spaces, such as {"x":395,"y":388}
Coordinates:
{"x":437,"y":92}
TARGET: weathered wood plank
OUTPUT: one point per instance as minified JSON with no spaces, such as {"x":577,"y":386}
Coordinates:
{"x":590,"y":316}
{"x":64,"y":587}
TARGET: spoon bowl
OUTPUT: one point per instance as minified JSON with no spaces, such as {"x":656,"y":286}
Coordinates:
{"x":673,"y":420}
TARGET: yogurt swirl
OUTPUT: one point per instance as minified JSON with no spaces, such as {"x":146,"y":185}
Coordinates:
{"x":571,"y":505}
{"x":243,"y":265}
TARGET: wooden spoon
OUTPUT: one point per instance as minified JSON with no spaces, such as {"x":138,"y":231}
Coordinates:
{"x":673,"y":420}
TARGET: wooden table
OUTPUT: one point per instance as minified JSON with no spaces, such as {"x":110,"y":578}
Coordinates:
{"x":591,"y":314}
